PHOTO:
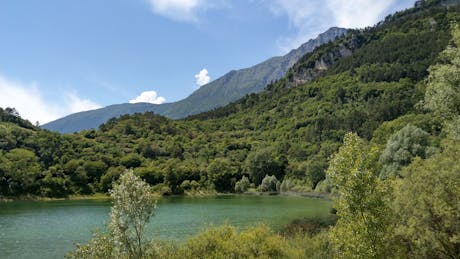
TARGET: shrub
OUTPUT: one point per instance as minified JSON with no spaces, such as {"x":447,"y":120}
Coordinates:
{"x":269,"y":184}
{"x":131,"y":161}
{"x":226,"y":242}
{"x":242,"y":185}
{"x":401,"y":148}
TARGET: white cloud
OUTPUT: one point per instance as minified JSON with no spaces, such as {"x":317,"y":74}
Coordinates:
{"x":202,"y":77}
{"x":148,"y":97}
{"x":185,"y":10}
{"x":31,"y":105}
{"x":309,"y":18}
{"x":298,"y":11}
{"x":76,"y":104}
{"x":180,"y":10}
{"x":358,"y":13}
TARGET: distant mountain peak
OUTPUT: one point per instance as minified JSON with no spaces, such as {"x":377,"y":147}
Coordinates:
{"x":228,"y":88}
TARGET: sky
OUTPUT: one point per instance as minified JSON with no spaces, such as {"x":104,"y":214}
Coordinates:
{"x":59,"y":57}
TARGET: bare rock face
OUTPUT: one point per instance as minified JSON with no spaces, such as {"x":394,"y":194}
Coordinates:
{"x":311,"y":68}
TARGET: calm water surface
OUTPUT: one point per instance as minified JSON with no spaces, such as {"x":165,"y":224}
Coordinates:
{"x":48,"y":229}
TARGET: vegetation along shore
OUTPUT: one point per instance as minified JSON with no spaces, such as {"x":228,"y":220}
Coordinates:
{"x":370,"y":120}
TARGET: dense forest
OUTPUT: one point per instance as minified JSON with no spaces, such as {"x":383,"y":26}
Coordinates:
{"x":372,"y":118}
{"x":396,"y":195}
{"x":370,"y":82}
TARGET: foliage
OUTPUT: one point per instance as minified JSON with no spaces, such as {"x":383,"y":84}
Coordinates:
{"x":225,"y":242}
{"x":261,"y":163}
{"x":270,"y":184}
{"x":402,"y":146}
{"x":324,"y":186}
{"x":427,"y":206}
{"x":289,"y":133}
{"x":10,"y":114}
{"x":290,"y":130}
{"x":133,"y":206}
{"x":131,"y":161}
{"x":20,"y":171}
{"x":222,"y":175}
{"x":242,"y":185}
{"x":309,"y":226}
{"x":257,"y":242}
{"x":361,"y":202}
{"x":442,"y":95}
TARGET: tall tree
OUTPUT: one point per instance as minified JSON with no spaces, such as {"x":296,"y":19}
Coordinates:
{"x":442,"y":95}
{"x":133,"y":206}
{"x":361,"y":202}
{"x":21,"y":171}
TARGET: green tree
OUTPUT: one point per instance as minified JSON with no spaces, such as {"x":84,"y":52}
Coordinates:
{"x":222,"y":175}
{"x":54,"y":183}
{"x":94,"y":169}
{"x":427,"y":206}
{"x":361,"y":202}
{"x":21,"y":171}
{"x":133,"y":206}
{"x":442,"y":95}
{"x":315,"y":170}
{"x":262,"y":162}
{"x":80,"y":183}
{"x":270,"y":184}
{"x":131,"y":161}
{"x":401,"y":148}
{"x":112,"y":174}
{"x":242,"y":185}
{"x":151,"y":175}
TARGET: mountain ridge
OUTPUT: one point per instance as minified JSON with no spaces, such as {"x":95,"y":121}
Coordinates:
{"x":230,"y":87}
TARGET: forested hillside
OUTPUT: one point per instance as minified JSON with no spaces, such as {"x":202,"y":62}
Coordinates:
{"x":371,"y":82}
{"x":225,"y":89}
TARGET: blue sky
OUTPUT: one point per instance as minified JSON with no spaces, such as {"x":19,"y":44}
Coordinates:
{"x":63,"y":56}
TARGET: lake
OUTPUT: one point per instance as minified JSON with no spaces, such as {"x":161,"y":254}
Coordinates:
{"x":49,"y":229}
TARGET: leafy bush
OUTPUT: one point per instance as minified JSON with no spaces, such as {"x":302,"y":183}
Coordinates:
{"x":242,"y":185}
{"x":226,"y":242}
{"x":401,"y":148}
{"x":269,"y":184}
{"x":131,"y":161}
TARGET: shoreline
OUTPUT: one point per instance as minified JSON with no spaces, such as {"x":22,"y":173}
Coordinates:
{"x":95,"y":196}
{"x":104,"y":196}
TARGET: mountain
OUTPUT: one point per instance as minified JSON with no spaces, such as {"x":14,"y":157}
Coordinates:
{"x":230,"y":87}
{"x":372,"y":117}
{"x":236,"y":84}
{"x":373,"y":82}
{"x":92,"y":119}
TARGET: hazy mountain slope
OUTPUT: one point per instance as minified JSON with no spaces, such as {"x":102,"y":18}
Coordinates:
{"x":92,"y":119}
{"x":219,"y":92}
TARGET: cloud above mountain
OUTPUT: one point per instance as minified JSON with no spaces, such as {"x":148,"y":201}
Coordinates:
{"x":309,"y":18}
{"x":148,"y":97}
{"x":77,"y":104}
{"x":202,"y":77}
{"x":31,"y":105}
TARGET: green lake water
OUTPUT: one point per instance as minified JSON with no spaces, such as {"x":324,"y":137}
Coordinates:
{"x":48,"y":229}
